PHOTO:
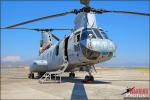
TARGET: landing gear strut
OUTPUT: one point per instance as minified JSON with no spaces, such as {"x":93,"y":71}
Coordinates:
{"x":72,"y":75}
{"x":89,"y":78}
{"x":31,"y":75}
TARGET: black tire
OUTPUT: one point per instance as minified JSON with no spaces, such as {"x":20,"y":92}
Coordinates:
{"x":73,"y":75}
{"x":86,"y":78}
{"x":69,"y":74}
{"x":32,"y":75}
{"x":29,"y":75}
{"x":91,"y":78}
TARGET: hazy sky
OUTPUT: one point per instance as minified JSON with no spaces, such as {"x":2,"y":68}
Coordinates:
{"x":129,"y":32}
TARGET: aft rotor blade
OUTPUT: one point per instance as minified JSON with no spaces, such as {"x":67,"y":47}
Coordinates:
{"x":125,"y":12}
{"x":37,"y":29}
{"x":41,"y":18}
{"x":55,"y":37}
{"x":17,"y":28}
{"x":40,"y":29}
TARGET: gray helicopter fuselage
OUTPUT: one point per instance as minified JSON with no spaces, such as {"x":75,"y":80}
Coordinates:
{"x":79,"y":50}
{"x":86,"y":46}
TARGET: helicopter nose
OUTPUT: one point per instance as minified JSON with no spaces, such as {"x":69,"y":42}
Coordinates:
{"x":97,"y":48}
{"x":101,"y":45}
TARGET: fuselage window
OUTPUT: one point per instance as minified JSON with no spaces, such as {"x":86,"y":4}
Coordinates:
{"x":86,"y":34}
{"x":78,"y":37}
{"x":57,"y":50}
{"x":97,"y":33}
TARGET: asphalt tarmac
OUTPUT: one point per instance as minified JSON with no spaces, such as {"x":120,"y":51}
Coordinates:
{"x":109,"y":83}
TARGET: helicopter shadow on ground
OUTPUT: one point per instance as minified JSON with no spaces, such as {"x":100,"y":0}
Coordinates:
{"x":76,"y":80}
{"x":81,"y":81}
{"x":79,"y":90}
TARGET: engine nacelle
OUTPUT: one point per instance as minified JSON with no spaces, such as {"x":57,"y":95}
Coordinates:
{"x":39,"y":66}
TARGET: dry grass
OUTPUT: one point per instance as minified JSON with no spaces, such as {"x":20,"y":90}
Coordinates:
{"x":142,"y":69}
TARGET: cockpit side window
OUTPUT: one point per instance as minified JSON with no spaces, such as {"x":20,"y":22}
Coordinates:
{"x":86,"y":34}
{"x":78,"y":37}
{"x":104,"y":34}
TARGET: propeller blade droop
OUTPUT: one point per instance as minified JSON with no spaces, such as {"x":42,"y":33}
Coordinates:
{"x":86,"y":9}
{"x":41,"y":18}
{"x":41,"y":29}
{"x":123,"y":12}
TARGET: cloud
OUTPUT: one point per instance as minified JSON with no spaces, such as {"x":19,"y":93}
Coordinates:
{"x":11,"y":59}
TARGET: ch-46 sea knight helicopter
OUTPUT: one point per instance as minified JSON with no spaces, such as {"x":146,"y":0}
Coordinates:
{"x":86,"y":46}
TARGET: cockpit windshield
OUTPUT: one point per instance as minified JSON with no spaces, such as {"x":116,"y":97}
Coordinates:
{"x":87,"y":34}
{"x":100,"y":33}
{"x":93,"y":33}
{"x":97,"y":33}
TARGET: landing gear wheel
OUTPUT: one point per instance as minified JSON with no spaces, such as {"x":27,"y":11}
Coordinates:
{"x":89,"y":79}
{"x":31,"y":76}
{"x":86,"y":78}
{"x":72,"y":75}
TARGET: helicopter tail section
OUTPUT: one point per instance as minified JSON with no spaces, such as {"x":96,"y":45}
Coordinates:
{"x":46,"y":42}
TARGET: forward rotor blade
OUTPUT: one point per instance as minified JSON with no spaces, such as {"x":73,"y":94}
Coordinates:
{"x":125,"y":12}
{"x":128,"y":12}
{"x":41,"y":18}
